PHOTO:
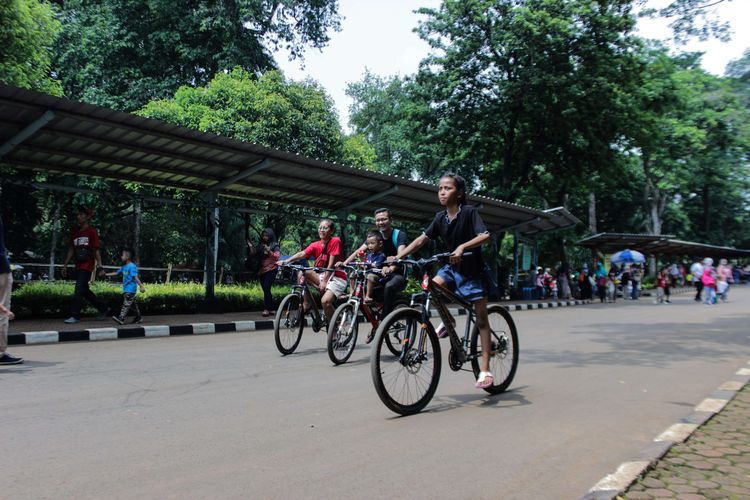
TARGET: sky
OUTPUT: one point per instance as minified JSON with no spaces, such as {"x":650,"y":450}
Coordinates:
{"x":377,"y":35}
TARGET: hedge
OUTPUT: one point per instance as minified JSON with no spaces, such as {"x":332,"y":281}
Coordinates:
{"x":52,"y":300}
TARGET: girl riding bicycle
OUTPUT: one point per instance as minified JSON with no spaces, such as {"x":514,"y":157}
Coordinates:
{"x":461,"y":228}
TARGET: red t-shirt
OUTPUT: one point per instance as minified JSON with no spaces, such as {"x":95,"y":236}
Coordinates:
{"x":315,"y":250}
{"x":85,"y":243}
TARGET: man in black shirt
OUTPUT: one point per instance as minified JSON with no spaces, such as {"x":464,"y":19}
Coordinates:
{"x":394,"y":240}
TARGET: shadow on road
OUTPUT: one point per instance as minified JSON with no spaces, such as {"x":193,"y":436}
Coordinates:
{"x":649,"y":344}
{"x":506,"y":400}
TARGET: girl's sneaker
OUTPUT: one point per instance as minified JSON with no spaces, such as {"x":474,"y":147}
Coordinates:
{"x":118,"y":320}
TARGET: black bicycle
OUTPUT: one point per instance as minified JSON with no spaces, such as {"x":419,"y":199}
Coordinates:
{"x":290,"y":316}
{"x":407,"y":381}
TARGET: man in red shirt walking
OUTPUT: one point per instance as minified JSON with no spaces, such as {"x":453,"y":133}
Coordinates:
{"x":84,"y":247}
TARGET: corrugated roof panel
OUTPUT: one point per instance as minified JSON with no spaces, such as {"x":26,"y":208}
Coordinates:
{"x":155,"y":152}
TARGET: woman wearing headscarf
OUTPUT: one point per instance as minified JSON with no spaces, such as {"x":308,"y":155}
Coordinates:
{"x":268,"y":252}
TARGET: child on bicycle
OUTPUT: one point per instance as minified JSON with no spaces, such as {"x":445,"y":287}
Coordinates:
{"x":375,"y":257}
{"x":461,"y":228}
{"x":326,"y":252}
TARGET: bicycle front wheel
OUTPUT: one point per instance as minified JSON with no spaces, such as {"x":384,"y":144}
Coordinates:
{"x":396,"y":336}
{"x":407,"y":381}
{"x":504,"y":350}
{"x":288,"y":325}
{"x":342,"y":333}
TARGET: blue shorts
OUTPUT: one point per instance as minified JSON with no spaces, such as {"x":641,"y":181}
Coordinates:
{"x":469,"y":289}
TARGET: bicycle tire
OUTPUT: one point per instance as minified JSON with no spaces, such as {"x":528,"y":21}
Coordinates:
{"x":288,"y":324}
{"x":504,"y":356}
{"x":393,"y":340}
{"x":406,"y":387}
{"x":342,"y":333}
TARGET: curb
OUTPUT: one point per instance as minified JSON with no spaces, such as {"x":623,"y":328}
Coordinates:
{"x":150,"y":331}
{"x":627,"y":473}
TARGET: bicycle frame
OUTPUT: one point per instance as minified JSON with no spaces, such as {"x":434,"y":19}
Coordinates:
{"x":302,"y":289}
{"x":441,"y":296}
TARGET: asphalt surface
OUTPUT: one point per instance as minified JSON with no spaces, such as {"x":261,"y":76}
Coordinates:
{"x":225,"y":416}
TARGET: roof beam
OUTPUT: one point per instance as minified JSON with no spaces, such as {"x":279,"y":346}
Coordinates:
{"x":31,"y":129}
{"x":369,"y":199}
{"x":521,"y":224}
{"x":120,"y":162}
{"x":263,"y":164}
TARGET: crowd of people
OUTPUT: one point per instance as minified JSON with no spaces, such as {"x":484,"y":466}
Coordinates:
{"x":712,"y":283}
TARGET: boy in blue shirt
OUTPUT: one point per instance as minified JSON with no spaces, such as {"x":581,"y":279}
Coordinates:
{"x":130,"y":285}
{"x":376,"y":258}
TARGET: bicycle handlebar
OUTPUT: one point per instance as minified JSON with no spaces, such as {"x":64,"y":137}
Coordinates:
{"x":308,"y":268}
{"x":428,"y":260}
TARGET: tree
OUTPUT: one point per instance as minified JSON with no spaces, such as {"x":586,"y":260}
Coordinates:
{"x":298,"y":117}
{"x":358,"y":152}
{"x":125,"y":53}
{"x":692,"y":19}
{"x":395,"y":117}
{"x":520,"y":88}
{"x":740,"y":68}
{"x":28,"y":29}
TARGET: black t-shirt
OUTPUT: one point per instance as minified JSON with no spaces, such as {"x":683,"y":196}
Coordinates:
{"x":463,"y":228}
{"x":389,"y":249}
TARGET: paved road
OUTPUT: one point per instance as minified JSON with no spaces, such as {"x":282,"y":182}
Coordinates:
{"x":224,"y":416}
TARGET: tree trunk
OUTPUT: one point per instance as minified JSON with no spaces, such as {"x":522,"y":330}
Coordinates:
{"x":592,"y":212}
{"x":137,"y":229}
{"x":53,"y":243}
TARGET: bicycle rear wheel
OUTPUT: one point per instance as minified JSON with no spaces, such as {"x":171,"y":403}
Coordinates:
{"x":288,"y":325}
{"x":504,"y":353}
{"x":406,"y":382}
{"x":342,"y":333}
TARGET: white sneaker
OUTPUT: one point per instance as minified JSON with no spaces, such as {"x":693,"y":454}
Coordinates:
{"x":71,"y":320}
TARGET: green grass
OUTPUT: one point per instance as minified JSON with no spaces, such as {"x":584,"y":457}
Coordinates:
{"x":52,"y":300}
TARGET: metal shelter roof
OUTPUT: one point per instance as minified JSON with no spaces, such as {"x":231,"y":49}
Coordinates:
{"x":47,"y":133}
{"x":659,"y":245}
{"x":557,"y":219}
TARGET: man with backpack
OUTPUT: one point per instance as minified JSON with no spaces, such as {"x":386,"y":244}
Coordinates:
{"x":394,"y":240}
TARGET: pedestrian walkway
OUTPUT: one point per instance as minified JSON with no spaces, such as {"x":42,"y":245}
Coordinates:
{"x":713,"y":463}
{"x":705,"y":455}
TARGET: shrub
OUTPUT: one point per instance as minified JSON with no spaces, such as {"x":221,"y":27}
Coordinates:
{"x":52,"y":300}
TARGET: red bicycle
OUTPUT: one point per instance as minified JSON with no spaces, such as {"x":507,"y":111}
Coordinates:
{"x":344,"y":325}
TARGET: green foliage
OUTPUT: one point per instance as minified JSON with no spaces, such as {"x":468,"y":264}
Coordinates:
{"x":740,"y":68}
{"x":52,"y":300}
{"x":125,"y":53}
{"x":391,"y":113}
{"x":28,"y":29}
{"x":292,"y":116}
{"x":358,"y":152}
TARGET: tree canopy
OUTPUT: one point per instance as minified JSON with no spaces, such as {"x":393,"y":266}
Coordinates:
{"x":28,"y":30}
{"x":125,"y":53}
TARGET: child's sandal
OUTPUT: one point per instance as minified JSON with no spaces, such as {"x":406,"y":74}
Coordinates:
{"x":484,"y":380}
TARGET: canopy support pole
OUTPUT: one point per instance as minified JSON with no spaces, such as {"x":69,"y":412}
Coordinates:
{"x":212,"y":245}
